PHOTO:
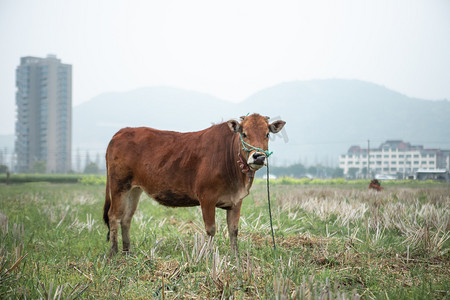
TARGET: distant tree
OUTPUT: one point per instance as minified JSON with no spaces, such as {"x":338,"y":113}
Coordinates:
{"x":352,"y":172}
{"x":91,"y":168}
{"x":313,"y":171}
{"x":337,"y":173}
{"x":87,"y":160}
{"x":78,"y":168}
{"x":97,"y":159}
{"x":364,"y":172}
{"x":39,"y":167}
{"x":3,"y":169}
{"x":296,"y":170}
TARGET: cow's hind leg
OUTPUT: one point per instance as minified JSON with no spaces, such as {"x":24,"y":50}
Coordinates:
{"x":115,"y":215}
{"x":132,"y":199}
{"x":106,"y":208}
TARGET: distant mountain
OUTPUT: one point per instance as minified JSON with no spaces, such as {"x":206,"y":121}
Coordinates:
{"x":324,"y":117}
{"x":97,"y":120}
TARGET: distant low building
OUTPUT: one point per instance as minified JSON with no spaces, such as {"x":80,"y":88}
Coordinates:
{"x":437,"y":174}
{"x":394,"y":158}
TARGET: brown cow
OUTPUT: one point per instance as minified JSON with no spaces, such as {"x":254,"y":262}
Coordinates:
{"x":375,"y":185}
{"x":205,"y":168}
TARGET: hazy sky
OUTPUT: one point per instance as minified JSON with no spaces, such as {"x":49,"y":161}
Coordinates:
{"x":229,"y":49}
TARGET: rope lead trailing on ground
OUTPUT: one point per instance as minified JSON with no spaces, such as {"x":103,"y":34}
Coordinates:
{"x":270,"y":211}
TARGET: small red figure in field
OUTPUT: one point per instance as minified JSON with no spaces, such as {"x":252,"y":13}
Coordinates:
{"x":375,"y":185}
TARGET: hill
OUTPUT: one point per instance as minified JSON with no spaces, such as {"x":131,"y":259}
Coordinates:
{"x":97,"y":120}
{"x":324,"y":117}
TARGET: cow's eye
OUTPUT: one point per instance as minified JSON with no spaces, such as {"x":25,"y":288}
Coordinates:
{"x":244,"y":135}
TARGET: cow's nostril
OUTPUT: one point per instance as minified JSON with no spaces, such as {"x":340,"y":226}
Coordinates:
{"x":257,"y":154}
{"x":258,"y":158}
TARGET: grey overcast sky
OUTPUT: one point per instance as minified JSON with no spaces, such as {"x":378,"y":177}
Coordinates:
{"x":229,"y":49}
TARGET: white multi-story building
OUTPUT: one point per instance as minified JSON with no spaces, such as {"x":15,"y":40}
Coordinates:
{"x":44,"y":114}
{"x":393,"y":158}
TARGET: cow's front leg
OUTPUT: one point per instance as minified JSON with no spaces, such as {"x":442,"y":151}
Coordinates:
{"x":233,"y":216}
{"x":209,"y":217}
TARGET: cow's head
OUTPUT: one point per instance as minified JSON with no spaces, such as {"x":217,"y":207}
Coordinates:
{"x":254,"y":137}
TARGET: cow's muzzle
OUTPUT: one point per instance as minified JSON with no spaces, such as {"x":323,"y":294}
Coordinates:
{"x":257,"y":160}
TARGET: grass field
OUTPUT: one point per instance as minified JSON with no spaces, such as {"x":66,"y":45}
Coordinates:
{"x":333,"y":241}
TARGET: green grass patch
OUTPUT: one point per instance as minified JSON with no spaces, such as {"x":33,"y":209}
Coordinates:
{"x":342,"y":182}
{"x":336,"y":241}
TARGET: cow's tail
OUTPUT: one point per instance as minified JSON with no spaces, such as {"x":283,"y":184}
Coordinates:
{"x":107,"y":201}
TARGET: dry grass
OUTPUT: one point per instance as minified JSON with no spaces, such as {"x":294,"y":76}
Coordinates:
{"x":332,"y":243}
{"x":423,"y":223}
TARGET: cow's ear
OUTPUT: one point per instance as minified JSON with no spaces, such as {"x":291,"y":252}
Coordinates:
{"x":234,"y":126}
{"x":276,"y":126}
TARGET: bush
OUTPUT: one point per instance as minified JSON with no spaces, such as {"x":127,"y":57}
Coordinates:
{"x":93,"y":180}
{"x":343,"y":181}
{"x":52,"y":178}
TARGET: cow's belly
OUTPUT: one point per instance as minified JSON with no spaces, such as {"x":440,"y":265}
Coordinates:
{"x":228,"y":201}
{"x":174,"y":199}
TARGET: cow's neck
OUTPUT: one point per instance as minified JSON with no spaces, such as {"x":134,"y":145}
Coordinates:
{"x":245,"y":168}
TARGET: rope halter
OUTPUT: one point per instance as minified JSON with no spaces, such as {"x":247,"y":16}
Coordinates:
{"x":249,"y":148}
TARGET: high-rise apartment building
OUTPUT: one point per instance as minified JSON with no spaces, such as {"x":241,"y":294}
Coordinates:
{"x":44,"y":114}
